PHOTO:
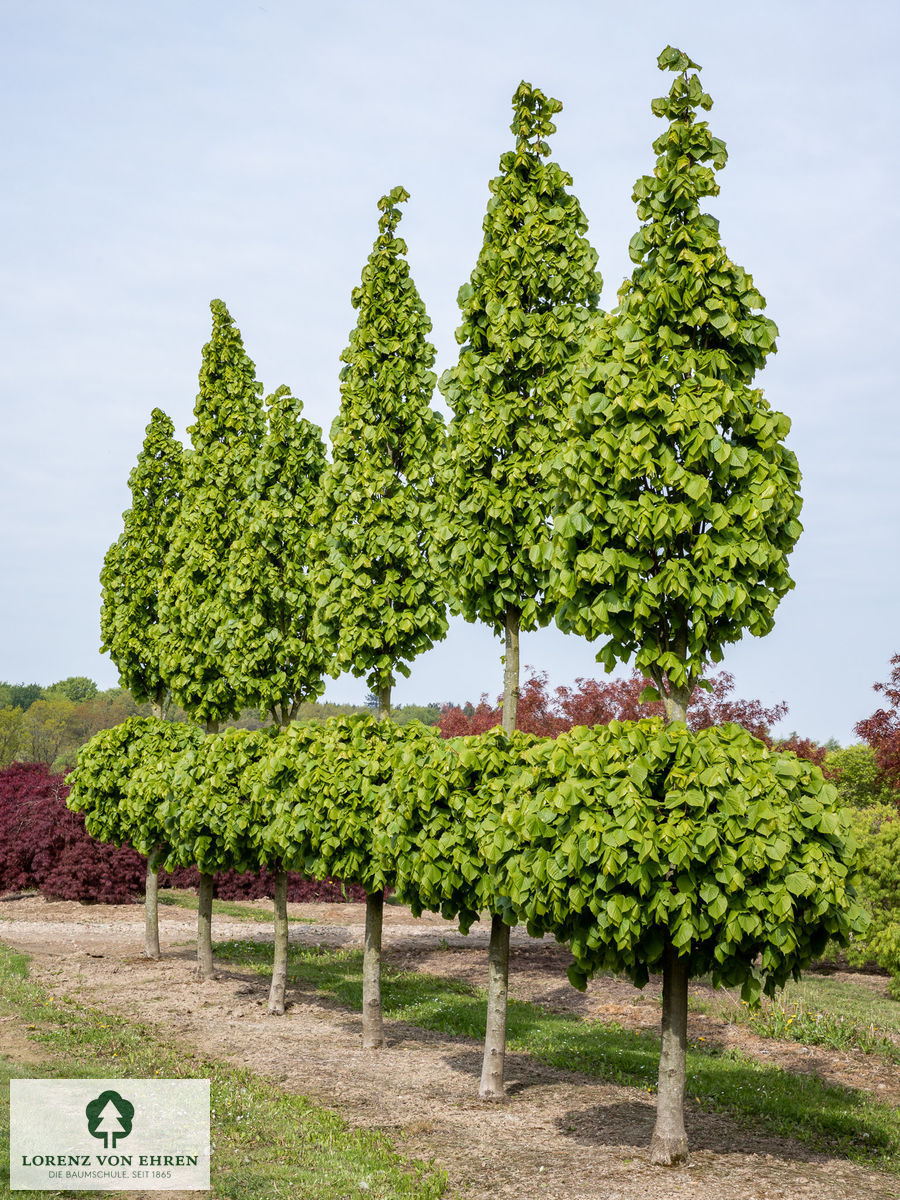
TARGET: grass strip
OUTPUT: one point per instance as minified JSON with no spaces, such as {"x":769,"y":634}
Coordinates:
{"x":820,"y":1012}
{"x":266,"y":1143}
{"x":835,"y":1120}
{"x":224,"y":908}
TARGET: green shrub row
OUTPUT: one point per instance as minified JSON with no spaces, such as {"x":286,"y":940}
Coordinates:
{"x":617,"y":839}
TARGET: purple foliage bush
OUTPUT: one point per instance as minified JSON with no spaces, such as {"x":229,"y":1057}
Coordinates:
{"x":246,"y":885}
{"x":45,"y":847}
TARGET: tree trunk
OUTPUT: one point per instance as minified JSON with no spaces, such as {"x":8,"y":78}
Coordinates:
{"x":204,"y":907}
{"x":669,"y":1143}
{"x":204,"y":927}
{"x":151,"y":887}
{"x":373,"y":1024}
{"x":279,"y":961}
{"x":373,"y":1027}
{"x":151,"y":913}
{"x":498,"y":953}
{"x":676,"y":702}
{"x":495,"y":1031}
{"x":511,"y":671}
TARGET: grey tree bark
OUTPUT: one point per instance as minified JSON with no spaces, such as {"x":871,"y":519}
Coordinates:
{"x":495,"y":1031}
{"x":669,"y":1145}
{"x":373,"y":1021}
{"x":204,"y":927}
{"x":151,"y":887}
{"x":511,"y":671}
{"x":151,"y":913}
{"x":492,"y":1066}
{"x":279,"y":961}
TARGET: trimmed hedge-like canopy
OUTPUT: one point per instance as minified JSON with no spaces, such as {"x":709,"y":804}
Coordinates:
{"x":617,"y":839}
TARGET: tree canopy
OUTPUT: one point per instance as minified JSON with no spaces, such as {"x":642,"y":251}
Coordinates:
{"x":525,"y":312}
{"x":273,"y":659}
{"x":677,"y":500}
{"x":194,"y":611}
{"x":380,"y":601}
{"x":133,"y":567}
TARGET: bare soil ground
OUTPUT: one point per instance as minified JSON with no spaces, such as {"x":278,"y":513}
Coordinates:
{"x":559,"y":1136}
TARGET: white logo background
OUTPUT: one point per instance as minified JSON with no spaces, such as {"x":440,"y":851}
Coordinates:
{"x":47,"y":1119}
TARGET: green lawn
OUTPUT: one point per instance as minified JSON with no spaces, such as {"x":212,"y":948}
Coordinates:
{"x":266,"y":1143}
{"x":834,"y":1120}
{"x":820,"y":1011}
{"x":223,"y":908}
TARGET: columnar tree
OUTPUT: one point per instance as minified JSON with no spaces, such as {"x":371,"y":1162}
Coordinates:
{"x":194,"y":611}
{"x":526,"y":309}
{"x":677,"y":500}
{"x":379,"y":601}
{"x":130,"y":578}
{"x":273,"y":660}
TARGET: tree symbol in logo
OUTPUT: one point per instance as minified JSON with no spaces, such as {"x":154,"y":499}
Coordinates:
{"x":109,"y":1116}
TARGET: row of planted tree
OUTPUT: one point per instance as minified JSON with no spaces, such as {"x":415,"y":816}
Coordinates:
{"x":615,"y":472}
{"x":644,"y":846}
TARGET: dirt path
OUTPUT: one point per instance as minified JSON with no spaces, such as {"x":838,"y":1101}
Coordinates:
{"x":558,"y":1137}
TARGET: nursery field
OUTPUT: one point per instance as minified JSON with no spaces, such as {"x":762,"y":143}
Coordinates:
{"x":809,"y":1112}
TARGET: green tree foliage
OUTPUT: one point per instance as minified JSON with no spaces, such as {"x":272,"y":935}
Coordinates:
{"x":442,"y":790}
{"x":379,"y":600}
{"x":22,"y":695}
{"x":427,"y":714}
{"x":76,"y":688}
{"x":12,"y":729}
{"x":325,"y":786}
{"x":122,"y":782}
{"x":856,"y":775}
{"x":209,"y":815}
{"x":272,"y":657}
{"x":878,"y":830}
{"x":45,"y":727}
{"x":525,"y":310}
{"x":677,"y":499}
{"x":625,"y":838}
{"x":133,"y":567}
{"x":193,"y":607}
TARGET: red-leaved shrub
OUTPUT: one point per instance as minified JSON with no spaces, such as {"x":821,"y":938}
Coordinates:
{"x":247,"y":885}
{"x":45,"y":846}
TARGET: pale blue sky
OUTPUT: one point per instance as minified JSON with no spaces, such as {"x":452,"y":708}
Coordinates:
{"x":158,"y":155}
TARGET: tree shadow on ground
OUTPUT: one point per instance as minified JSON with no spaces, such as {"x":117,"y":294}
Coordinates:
{"x":629,"y":1123}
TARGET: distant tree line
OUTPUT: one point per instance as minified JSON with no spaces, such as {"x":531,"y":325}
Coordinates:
{"x":48,"y":724}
